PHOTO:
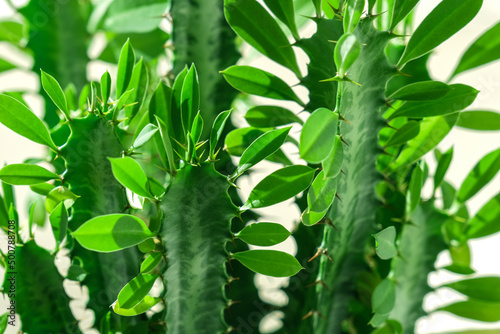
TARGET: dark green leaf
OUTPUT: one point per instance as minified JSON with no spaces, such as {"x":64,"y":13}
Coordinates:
{"x":261,"y":148}
{"x":483,"y":51}
{"x":197,"y":128}
{"x":442,"y":167}
{"x":458,"y":98}
{"x":269,"y":262}
{"x":352,"y":14}
{"x":59,"y":221}
{"x":485,"y":222}
{"x":421,"y":91}
{"x":333,"y":164}
{"x":385,"y":243}
{"x":26,"y":174}
{"x":167,"y":144}
{"x":190,"y":98}
{"x":263,"y":234}
{"x":384,"y":297}
{"x":414,"y":189}
{"x":55,"y":92}
{"x":129,"y":173}
{"x":17,"y":117}
{"x":263,"y":34}
{"x":318,"y":135}
{"x":254,"y":81}
{"x":447,"y":18}
{"x":125,"y":68}
{"x":144,"y":305}
{"x":475,"y":310}
{"x":321,"y":193}
{"x":105,"y":87}
{"x":479,"y":120}
{"x":150,"y":263}
{"x":270,"y":116}
{"x":481,"y":288}
{"x":279,"y":186}
{"x":484,"y":171}
{"x":135,"y":290}
{"x":217,"y":129}
{"x":113,"y":232}
{"x":401,"y":9}
{"x":76,"y":273}
{"x":410,"y":130}
{"x":285,"y":12}
{"x":347,"y":51}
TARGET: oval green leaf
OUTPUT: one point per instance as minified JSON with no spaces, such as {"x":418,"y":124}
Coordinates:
{"x":414,"y":189}
{"x":58,"y":195}
{"x":481,"y":288}
{"x":385,"y":246}
{"x":55,"y":92}
{"x":442,"y":167}
{"x":135,"y":290}
{"x":190,"y":98}
{"x":269,"y":262}
{"x":479,"y":120}
{"x":146,"y":133}
{"x":279,"y":186}
{"x":421,"y":91}
{"x":126,"y":64}
{"x":216,"y":132}
{"x":150,"y":263}
{"x":407,"y":132}
{"x":113,"y":232}
{"x":401,"y":9}
{"x":446,"y":19}
{"x":322,"y":192}
{"x":475,"y":310}
{"x":285,"y":12}
{"x":105,"y":87}
{"x":59,"y":221}
{"x":129,"y":173}
{"x":255,"y":81}
{"x":17,"y":117}
{"x":346,"y":53}
{"x":333,"y":164}
{"x":352,"y":14}
{"x":384,"y":297}
{"x":485,"y":222}
{"x":238,"y":140}
{"x":270,"y":117}
{"x":318,"y":135}
{"x":26,"y":174}
{"x":309,"y":218}
{"x":144,"y":305}
{"x":263,"y":234}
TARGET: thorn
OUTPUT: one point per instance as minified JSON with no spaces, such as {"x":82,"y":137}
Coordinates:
{"x":232,"y":241}
{"x":229,"y":263}
{"x":385,"y":153}
{"x":313,"y":312}
{"x":343,"y":172}
{"x":337,"y":195}
{"x":389,"y":105}
{"x":343,"y":119}
{"x":321,"y":251}
{"x":320,"y":282}
{"x":342,"y":138}
{"x":403,"y":74}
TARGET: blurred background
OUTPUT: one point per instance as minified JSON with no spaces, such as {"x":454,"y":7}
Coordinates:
{"x":469,"y":147}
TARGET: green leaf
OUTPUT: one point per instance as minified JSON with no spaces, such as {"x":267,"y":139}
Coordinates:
{"x":269,"y":262}
{"x":410,"y":130}
{"x":270,"y":116}
{"x":421,"y":91}
{"x":384,"y":297}
{"x":318,"y":135}
{"x":459,"y":98}
{"x":346,"y":53}
{"x":263,"y":34}
{"x":333,"y":163}
{"x":238,"y":140}
{"x":197,"y":128}
{"x":216,"y":132}
{"x":255,"y":81}
{"x":167,"y":144}
{"x":113,"y":232}
{"x":146,"y":133}
{"x":150,"y":263}
{"x":133,"y":16}
{"x":432,"y":131}
{"x":446,"y":19}
{"x":190,"y":98}
{"x":135,"y":290}
{"x":483,"y":51}
{"x":414,"y":189}
{"x":279,"y":186}
{"x":58,"y":195}
{"x":310,"y":218}
{"x":401,"y":9}
{"x":485,"y":222}
{"x":55,"y":92}
{"x":105,"y":87}
{"x":144,"y":305}
{"x":482,"y":173}
{"x":125,"y":68}
{"x":17,"y":117}
{"x":26,"y":174}
{"x":481,"y":288}
{"x":479,"y":120}
{"x":260,"y":149}
{"x":322,"y":192}
{"x":285,"y":12}
{"x":76,"y":273}
{"x":263,"y":234}
{"x":442,"y":167}
{"x":59,"y":221}
{"x":12,"y":32}
{"x":385,"y":243}
{"x":4,"y":318}
{"x":352,"y":14}
{"x":129,"y":173}
{"x":6,"y":66}
{"x":475,"y":310}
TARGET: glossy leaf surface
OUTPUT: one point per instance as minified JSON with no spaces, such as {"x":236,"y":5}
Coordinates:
{"x":479,"y":120}
{"x":269,"y":262}
{"x":270,"y":116}
{"x":25,"y":174}
{"x":129,"y":173}
{"x":263,"y":234}
{"x":135,"y":290}
{"x":385,"y":243}
{"x":318,"y":135}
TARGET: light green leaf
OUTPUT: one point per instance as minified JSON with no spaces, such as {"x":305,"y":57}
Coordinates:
{"x":58,"y":195}
{"x":318,"y":135}
{"x":134,"y":16}
{"x":410,"y":130}
{"x":59,"y":221}
{"x":447,"y":18}
{"x":135,"y":290}
{"x":432,"y":131}
{"x":481,"y":288}
{"x":260,"y":149}
{"x":385,"y":243}
{"x":333,"y":163}
{"x":352,"y":14}
{"x":190,"y":98}
{"x":285,"y":12}
{"x":414,"y":189}
{"x":475,"y":310}
{"x":279,"y":186}
{"x":4,"y":320}
{"x":263,"y":34}
{"x":146,"y":133}
{"x":485,"y":222}
{"x":129,"y":173}
{"x":458,"y":98}
{"x":482,"y":173}
{"x":113,"y":232}
{"x":144,"y":305}
{"x":483,"y":51}
{"x":17,"y":117}
{"x":421,"y":91}
{"x":11,"y":31}
{"x":150,"y":263}
{"x":26,"y":174}
{"x":216,"y":132}
{"x":238,"y":140}
{"x":322,"y":192}
{"x":270,"y":116}
{"x":401,"y":9}
{"x":105,"y":87}
{"x":442,"y":167}
{"x":269,"y":262}
{"x":346,"y":53}
{"x":55,"y":92}
{"x":310,"y":218}
{"x":6,"y":66}
{"x":126,"y":64}
{"x":263,"y":234}
{"x":384,"y":297}
{"x":479,"y":120}
{"x":255,"y":81}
